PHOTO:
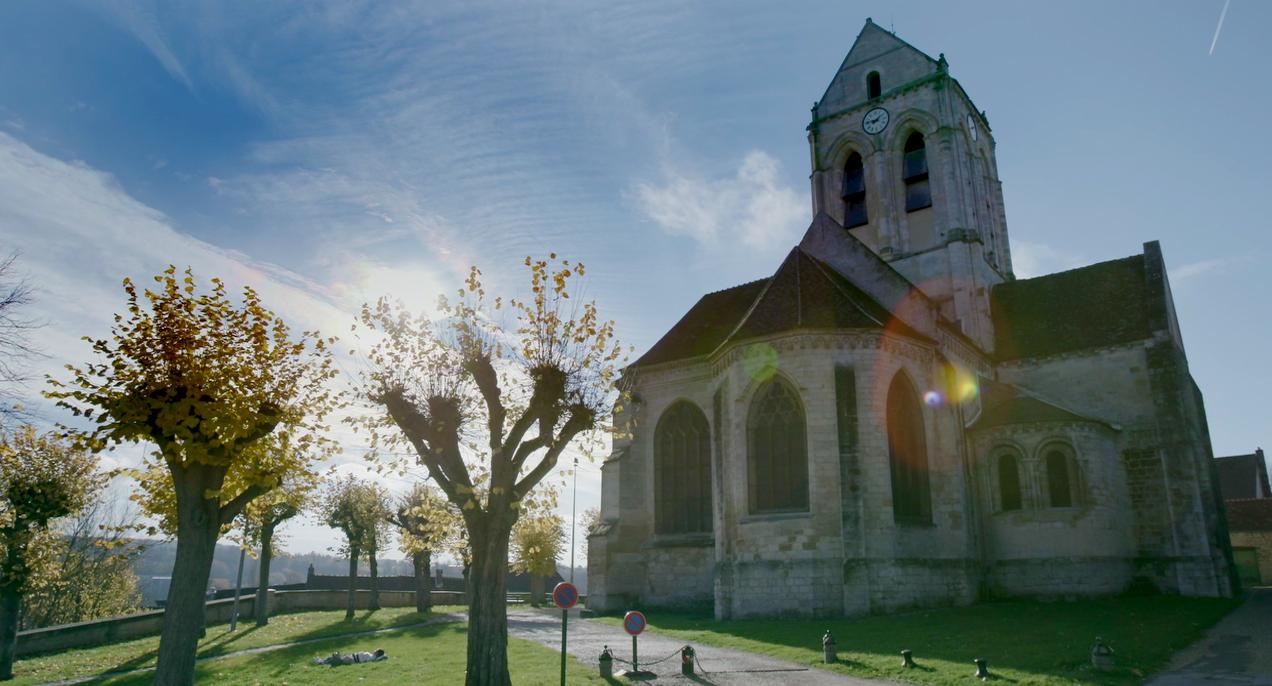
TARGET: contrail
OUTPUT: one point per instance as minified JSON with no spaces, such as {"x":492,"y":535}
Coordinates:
{"x":1219,"y":28}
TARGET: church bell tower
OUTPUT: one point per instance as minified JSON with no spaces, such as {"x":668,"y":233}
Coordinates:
{"x":904,"y":161}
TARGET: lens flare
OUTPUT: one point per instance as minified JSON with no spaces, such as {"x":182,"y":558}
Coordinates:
{"x":967,"y":389}
{"x":932,"y":398}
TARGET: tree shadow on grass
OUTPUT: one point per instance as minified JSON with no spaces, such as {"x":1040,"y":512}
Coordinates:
{"x":286,"y":661}
{"x":134,"y":663}
{"x":219,"y":644}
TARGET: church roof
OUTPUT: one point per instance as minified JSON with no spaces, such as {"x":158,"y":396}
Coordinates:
{"x":1243,"y":476}
{"x":804,"y":293}
{"x":1093,"y":306}
{"x":1004,"y":404}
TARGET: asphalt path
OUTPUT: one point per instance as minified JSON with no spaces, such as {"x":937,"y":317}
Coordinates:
{"x":1235,"y":652}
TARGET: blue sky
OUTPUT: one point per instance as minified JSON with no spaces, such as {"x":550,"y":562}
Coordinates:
{"x":330,"y":155}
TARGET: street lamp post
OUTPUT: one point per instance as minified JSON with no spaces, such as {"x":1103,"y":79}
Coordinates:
{"x":574,"y":506}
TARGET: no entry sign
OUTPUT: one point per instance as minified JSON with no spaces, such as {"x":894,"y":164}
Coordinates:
{"x":634,"y":622}
{"x":565,"y":595}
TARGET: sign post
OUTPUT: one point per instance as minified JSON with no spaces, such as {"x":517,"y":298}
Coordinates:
{"x":566,"y":596}
{"x":634,"y":623}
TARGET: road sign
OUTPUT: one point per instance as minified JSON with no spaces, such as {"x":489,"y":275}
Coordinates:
{"x":565,"y":595}
{"x":634,"y":622}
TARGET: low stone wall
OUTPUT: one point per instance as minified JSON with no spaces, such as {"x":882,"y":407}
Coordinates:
{"x":102,"y":631}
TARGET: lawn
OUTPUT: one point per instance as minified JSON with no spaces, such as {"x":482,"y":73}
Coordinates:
{"x":1025,"y":642}
{"x":433,"y":653}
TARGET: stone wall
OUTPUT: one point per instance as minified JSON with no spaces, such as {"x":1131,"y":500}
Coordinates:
{"x":140,"y":625}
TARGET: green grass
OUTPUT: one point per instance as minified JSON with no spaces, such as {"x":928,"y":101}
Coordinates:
{"x":1025,"y":642}
{"x":141,"y":652}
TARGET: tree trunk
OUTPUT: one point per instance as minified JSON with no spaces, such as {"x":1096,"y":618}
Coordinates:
{"x":375,"y":586}
{"x":198,"y":526}
{"x":422,"y":560}
{"x":10,"y":607}
{"x":238,"y":590}
{"x":487,"y":609}
{"x":354,"y":554}
{"x":261,"y":606}
{"x":537,"y":582}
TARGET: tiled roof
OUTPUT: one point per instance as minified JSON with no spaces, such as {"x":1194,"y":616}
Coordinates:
{"x":1252,"y":514}
{"x":804,"y":293}
{"x":1003,"y":404}
{"x":1101,"y":304}
{"x":1243,"y":476}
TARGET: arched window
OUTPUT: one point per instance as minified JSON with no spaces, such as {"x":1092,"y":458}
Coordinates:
{"x":918,"y":193}
{"x":682,"y":471}
{"x":1060,"y":477}
{"x":777,"y":456}
{"x":1008,"y":482}
{"x":854,"y":192}
{"x":873,"y":86}
{"x":907,"y":453}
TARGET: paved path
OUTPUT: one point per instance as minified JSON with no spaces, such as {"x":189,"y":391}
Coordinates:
{"x":1236,"y":651}
{"x":721,"y":666}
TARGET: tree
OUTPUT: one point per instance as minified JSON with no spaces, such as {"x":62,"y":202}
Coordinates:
{"x":359,"y":510}
{"x":588,"y":522}
{"x":15,"y":348}
{"x":538,"y":541}
{"x":42,"y":478}
{"x":489,"y":411}
{"x":84,"y":571}
{"x":425,"y":521}
{"x":232,"y":402}
{"x":265,"y":515}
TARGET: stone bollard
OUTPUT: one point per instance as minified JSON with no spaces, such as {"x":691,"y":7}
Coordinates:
{"x":907,"y":660}
{"x":1102,"y":656}
{"x":828,"y":649}
{"x":686,"y":660}
{"x":982,"y":669}
{"x":607,"y":663}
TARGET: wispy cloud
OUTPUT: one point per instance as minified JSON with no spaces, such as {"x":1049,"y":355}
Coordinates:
{"x":142,"y":21}
{"x":1030,"y":259}
{"x":751,"y":205}
{"x":1193,"y":270}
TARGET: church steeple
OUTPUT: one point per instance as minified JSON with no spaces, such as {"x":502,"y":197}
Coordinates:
{"x":904,"y":160}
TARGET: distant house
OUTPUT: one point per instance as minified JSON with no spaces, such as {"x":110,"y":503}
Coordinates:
{"x":1243,"y":480}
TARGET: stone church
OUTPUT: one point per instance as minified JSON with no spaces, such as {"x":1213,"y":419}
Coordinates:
{"x":892,"y":419}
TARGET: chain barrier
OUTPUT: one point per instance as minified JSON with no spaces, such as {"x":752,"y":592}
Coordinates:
{"x":647,"y":664}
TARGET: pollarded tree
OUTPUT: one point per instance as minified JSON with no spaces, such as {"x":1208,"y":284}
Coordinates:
{"x":358,"y":509}
{"x":425,"y":521}
{"x":538,"y":540}
{"x":265,"y":515}
{"x":207,"y":381}
{"x":517,"y":397}
{"x":42,"y":478}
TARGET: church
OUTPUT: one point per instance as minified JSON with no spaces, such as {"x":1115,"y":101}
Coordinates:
{"x":891,"y":419}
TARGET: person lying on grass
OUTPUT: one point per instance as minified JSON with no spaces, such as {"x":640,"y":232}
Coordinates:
{"x":338,"y":659}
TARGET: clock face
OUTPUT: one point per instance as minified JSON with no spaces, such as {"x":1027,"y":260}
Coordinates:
{"x":971,"y":126}
{"x":875,"y":121}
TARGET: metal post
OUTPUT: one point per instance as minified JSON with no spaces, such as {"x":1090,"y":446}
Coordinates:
{"x":238,"y":588}
{"x":565,"y":622}
{"x":574,"y":506}
{"x":635,"y":662}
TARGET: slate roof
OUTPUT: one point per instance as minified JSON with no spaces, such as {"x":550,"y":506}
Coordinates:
{"x":804,"y":293}
{"x":1003,"y":404}
{"x":1093,"y":306}
{"x":1253,"y":514}
{"x":1243,"y":476}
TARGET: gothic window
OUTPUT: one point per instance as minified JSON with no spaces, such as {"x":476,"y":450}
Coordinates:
{"x":682,"y":471}
{"x":1060,"y":477}
{"x":918,"y":192}
{"x":854,"y":192}
{"x":873,"y":86}
{"x":907,"y":454}
{"x":777,"y":457}
{"x":1008,"y":482}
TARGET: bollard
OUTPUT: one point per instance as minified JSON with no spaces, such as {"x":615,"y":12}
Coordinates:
{"x":906,"y":660}
{"x":828,"y":649}
{"x":982,"y":671}
{"x":1102,"y":655}
{"x":686,"y":661}
{"x":607,"y":663}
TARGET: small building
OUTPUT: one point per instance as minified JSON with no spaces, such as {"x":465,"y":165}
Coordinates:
{"x":1243,"y":480}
